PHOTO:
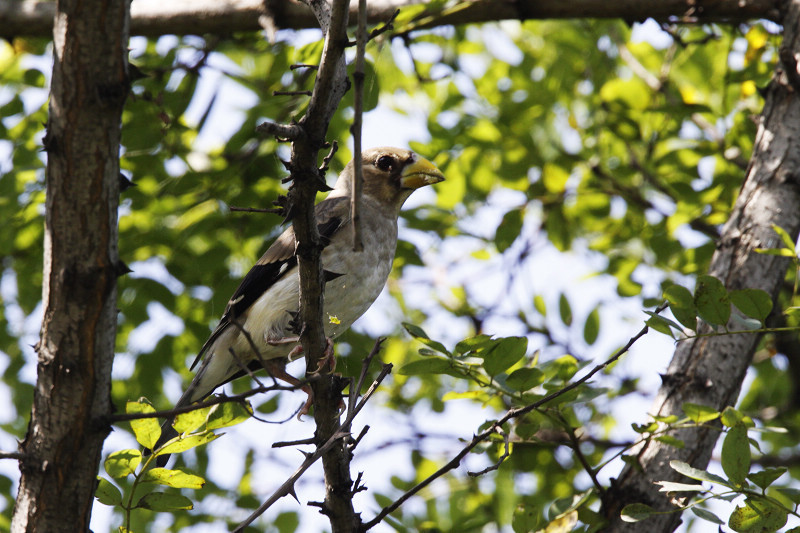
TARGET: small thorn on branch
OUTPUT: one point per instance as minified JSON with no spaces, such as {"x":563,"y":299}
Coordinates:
{"x":326,"y":161}
{"x":300,"y":442}
{"x":358,"y":439}
{"x":501,"y":460}
{"x":358,"y":486}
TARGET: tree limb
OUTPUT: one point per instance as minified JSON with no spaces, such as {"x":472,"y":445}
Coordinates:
{"x":63,"y":445}
{"x":153,"y":18}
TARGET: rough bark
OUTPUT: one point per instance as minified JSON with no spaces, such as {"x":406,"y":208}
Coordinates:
{"x":710,"y":370}
{"x":155,"y":17}
{"x":62,"y":448}
{"x":329,"y":88}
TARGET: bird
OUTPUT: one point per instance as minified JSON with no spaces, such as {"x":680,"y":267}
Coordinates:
{"x":266,"y":303}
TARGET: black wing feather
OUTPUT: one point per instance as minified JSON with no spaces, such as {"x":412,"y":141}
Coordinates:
{"x":264,"y":275}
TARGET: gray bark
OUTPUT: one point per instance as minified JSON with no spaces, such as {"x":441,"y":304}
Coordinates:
{"x":61,"y":451}
{"x":709,"y":370}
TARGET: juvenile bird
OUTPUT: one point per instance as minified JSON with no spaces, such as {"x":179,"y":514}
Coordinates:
{"x":267,"y":299}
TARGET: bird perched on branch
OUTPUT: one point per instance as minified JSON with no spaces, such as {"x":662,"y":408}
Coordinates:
{"x":267,"y":301}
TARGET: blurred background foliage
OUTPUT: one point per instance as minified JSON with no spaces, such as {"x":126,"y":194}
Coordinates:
{"x":567,"y":146}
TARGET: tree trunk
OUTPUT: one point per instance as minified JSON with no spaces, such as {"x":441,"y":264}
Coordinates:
{"x":710,"y":370}
{"x":62,"y":448}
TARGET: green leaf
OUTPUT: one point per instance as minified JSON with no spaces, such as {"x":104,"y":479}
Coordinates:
{"x":419,"y":334}
{"x":165,"y":501}
{"x":696,"y":473}
{"x":754,"y":303}
{"x":524,"y":379}
{"x":554,"y":178}
{"x":791,"y":493}
{"x":660,"y":324}
{"x":592,"y":327}
{"x":190,"y":421}
{"x":712,"y":301}
{"x":636,"y":512}
{"x":788,"y":242}
{"x":146,"y":430}
{"x":699,"y":413}
{"x":736,"y":454}
{"x":540,"y":305}
{"x":107,"y":493}
{"x":504,"y":354}
{"x":228,"y":414}
{"x":415,"y":331}
{"x":766,"y":477}
{"x":783,"y":252}
{"x":757,"y":516}
{"x":707,"y":515}
{"x":508,"y":230}
{"x":473,"y":344}
{"x":123,"y":463}
{"x":173,"y":478}
{"x":730,"y":416}
{"x":430,"y":365}
{"x":565,"y":310}
{"x":681,"y":303}
{"x":670,"y":440}
{"x":671,"y":486}
{"x":186,"y":443}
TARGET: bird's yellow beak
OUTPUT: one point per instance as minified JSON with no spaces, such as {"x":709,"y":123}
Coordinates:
{"x":420,"y":173}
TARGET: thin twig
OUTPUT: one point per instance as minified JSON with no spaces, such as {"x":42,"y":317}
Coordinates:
{"x":510,"y":414}
{"x":355,"y":129}
{"x":291,"y":93}
{"x":12,"y":455}
{"x":274,"y":210}
{"x":501,"y":459}
{"x":355,"y":391}
{"x":171,"y":413}
{"x":358,"y":439}
{"x":575,"y":444}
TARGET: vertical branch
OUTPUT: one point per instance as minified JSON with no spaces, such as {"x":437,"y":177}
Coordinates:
{"x":329,"y":88}
{"x":64,"y":441}
{"x":358,"y":105}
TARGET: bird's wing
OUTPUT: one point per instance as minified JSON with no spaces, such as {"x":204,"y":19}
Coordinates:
{"x":280,"y":258}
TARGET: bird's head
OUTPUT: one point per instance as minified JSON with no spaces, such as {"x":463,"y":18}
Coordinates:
{"x":390,"y":175}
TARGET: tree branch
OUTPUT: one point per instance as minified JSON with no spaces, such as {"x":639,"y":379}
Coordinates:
{"x":153,"y":18}
{"x":329,"y":88}
{"x":355,"y":129}
{"x":63,"y":445}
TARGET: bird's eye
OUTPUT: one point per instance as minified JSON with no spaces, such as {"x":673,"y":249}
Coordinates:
{"x":385,"y":162}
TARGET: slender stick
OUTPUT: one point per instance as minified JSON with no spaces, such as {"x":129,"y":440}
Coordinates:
{"x":355,"y":129}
